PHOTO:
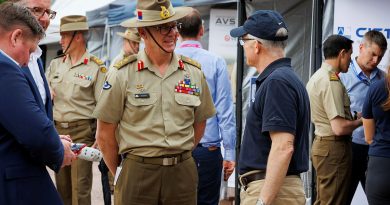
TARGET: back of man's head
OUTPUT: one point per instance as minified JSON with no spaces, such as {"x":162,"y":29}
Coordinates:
{"x":14,"y":16}
{"x":18,"y":1}
{"x":375,"y":37}
{"x":267,"y":27}
{"x":190,"y":25}
{"x":334,"y":44}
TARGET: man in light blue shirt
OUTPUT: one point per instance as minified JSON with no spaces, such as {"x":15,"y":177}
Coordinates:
{"x":221,"y":127}
{"x":363,"y":71}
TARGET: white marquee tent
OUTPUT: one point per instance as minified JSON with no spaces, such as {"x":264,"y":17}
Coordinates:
{"x":69,"y":7}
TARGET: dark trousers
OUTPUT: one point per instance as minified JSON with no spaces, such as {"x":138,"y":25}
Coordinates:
{"x":378,"y":178}
{"x":359,"y":168}
{"x":105,"y":182}
{"x":209,"y":164}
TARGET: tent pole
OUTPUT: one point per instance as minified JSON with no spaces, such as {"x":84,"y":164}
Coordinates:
{"x":316,"y":59}
{"x":240,"y":73}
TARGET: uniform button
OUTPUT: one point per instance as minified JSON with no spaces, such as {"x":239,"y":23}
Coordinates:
{"x":142,"y":100}
{"x":188,"y":101}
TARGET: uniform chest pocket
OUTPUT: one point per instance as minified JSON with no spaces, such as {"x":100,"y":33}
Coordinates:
{"x":82,"y":83}
{"x":184,"y":108}
{"x":54,"y":81}
{"x":142,"y":109}
{"x":187,"y":100}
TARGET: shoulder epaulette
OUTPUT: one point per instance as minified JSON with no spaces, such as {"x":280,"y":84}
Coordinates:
{"x":190,"y":61}
{"x":97,"y":60}
{"x":129,"y":59}
{"x":333,"y":77}
{"x":100,"y":63}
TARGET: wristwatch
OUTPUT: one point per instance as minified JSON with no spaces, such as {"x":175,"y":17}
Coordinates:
{"x":260,"y":202}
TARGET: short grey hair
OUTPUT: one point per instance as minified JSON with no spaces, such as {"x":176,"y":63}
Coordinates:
{"x":19,"y":2}
{"x":16,"y":16}
{"x":377,"y":38}
{"x":282,"y":32}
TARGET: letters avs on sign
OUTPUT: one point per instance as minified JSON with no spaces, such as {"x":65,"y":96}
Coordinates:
{"x":225,"y":21}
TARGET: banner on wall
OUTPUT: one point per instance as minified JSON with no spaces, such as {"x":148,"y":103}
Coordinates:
{"x":353,"y":18}
{"x":220,"y":41}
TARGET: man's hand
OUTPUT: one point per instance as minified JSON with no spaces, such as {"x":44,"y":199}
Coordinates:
{"x":69,"y":156}
{"x":228,"y":168}
{"x":66,"y":137}
{"x":52,"y":93}
{"x":95,"y":145}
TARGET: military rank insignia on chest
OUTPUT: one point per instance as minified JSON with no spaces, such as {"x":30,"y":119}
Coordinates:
{"x":141,"y":90}
{"x":82,"y":76}
{"x":185,"y":86}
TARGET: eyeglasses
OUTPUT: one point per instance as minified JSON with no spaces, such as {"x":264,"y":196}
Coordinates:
{"x":165,"y":30}
{"x":242,"y":40}
{"x":39,"y":12}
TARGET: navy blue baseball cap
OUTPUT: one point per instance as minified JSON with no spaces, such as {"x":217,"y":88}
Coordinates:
{"x":262,"y":24}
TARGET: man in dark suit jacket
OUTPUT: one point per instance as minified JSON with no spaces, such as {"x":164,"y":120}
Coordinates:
{"x":34,"y":71}
{"x":28,"y":139}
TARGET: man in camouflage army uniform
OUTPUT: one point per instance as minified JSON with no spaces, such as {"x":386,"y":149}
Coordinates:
{"x":331,"y":115}
{"x":161,"y":102}
{"x":76,"y":80}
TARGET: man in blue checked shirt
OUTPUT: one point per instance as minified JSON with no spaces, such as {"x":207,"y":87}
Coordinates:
{"x":363,"y":71}
{"x":221,"y":127}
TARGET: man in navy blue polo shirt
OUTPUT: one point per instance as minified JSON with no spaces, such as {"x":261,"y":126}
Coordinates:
{"x":275,"y":144}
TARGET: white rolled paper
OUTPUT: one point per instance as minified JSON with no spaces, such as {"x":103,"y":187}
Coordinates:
{"x":90,"y":154}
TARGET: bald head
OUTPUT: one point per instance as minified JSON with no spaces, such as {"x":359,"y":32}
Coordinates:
{"x":190,"y":25}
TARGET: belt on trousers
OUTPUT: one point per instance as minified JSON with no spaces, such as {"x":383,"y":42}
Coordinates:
{"x":66,"y":125}
{"x":334,"y":138}
{"x":211,"y":148}
{"x":245,"y":180}
{"x":167,"y":160}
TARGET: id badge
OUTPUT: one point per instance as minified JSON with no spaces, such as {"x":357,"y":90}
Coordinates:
{"x":117,"y":173}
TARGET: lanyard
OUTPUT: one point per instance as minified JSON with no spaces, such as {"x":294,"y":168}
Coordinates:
{"x":365,"y":81}
{"x":187,"y":45}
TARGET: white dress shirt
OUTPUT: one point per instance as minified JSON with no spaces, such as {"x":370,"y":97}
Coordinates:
{"x":34,"y":69}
